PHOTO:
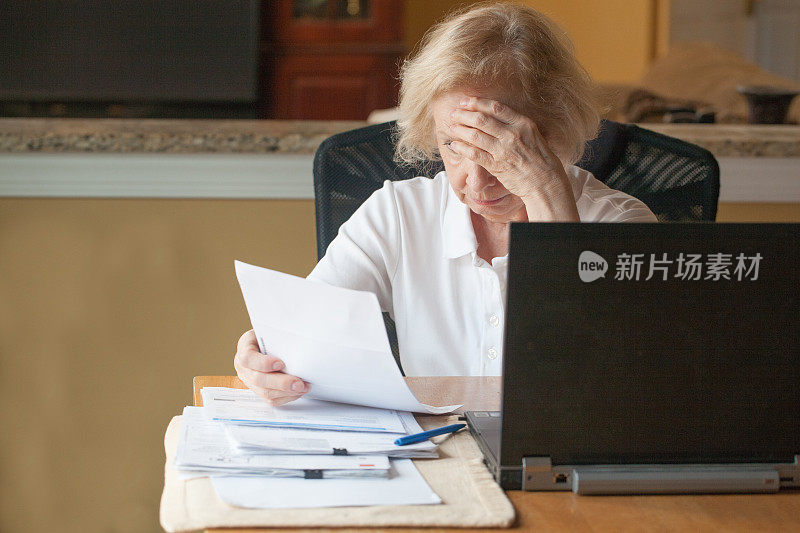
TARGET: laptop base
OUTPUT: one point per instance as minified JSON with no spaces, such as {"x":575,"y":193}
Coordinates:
{"x":485,"y":429}
{"x":539,"y":474}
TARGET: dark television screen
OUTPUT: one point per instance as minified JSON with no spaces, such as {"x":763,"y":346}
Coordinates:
{"x":129,"y":50}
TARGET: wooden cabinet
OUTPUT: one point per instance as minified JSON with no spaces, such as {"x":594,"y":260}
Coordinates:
{"x":329,"y":59}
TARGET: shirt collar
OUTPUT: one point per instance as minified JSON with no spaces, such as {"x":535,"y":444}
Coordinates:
{"x":573,"y":173}
{"x":458,"y":237}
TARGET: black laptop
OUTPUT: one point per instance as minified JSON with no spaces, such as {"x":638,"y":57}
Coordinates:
{"x":649,"y":358}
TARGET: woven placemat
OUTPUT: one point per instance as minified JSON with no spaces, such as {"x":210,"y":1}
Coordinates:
{"x":470,"y":496}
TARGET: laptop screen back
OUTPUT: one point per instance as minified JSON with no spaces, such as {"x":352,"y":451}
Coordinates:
{"x":652,"y":343}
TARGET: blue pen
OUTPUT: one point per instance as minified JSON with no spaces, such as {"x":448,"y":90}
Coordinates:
{"x":425,"y":435}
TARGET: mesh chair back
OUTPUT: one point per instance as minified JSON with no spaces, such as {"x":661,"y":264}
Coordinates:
{"x":677,"y":180}
{"x":348,"y":168}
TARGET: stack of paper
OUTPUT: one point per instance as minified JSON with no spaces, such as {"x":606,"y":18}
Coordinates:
{"x":340,"y":435}
{"x":311,"y":426}
{"x":238,"y":433}
{"x":203,"y":448}
{"x":240,"y":440}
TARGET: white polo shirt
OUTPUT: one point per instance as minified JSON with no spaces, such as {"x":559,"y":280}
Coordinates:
{"x":412,"y":244}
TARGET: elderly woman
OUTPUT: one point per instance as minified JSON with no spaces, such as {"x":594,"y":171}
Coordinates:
{"x":496,"y":93}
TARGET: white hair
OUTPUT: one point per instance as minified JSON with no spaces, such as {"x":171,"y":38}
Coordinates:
{"x":507,"y":48}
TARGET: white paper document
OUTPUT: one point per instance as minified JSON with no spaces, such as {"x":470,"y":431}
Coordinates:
{"x":243,"y":406}
{"x":404,"y":486}
{"x":203,"y":447}
{"x":331,"y":337}
{"x":249,"y":439}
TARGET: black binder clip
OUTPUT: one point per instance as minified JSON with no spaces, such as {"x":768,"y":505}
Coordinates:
{"x":313,"y":474}
{"x":340,"y":451}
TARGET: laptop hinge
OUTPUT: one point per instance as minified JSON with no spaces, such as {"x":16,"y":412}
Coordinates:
{"x":538,"y":474}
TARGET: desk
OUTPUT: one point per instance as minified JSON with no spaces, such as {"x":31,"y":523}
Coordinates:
{"x":565,"y":511}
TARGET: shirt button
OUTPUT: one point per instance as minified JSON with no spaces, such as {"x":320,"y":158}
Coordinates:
{"x":492,"y":353}
{"x":494,"y":320}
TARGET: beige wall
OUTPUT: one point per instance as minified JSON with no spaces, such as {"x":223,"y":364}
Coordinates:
{"x":728,"y":24}
{"x":107,"y":310}
{"x":614,"y":39}
{"x":747,"y":212}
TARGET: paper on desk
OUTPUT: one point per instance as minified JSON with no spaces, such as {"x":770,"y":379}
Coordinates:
{"x":203,"y":446}
{"x":405,"y":486}
{"x":253,"y":439}
{"x":331,"y":337}
{"x":242,"y":406}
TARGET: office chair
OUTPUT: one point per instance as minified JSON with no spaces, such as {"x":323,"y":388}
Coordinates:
{"x":677,"y":180}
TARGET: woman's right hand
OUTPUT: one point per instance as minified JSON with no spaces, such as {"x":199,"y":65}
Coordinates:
{"x":263,"y":373}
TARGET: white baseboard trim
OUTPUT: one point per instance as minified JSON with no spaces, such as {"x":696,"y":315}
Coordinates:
{"x":156,"y":176}
{"x":759,"y":179}
{"x":744,"y":179}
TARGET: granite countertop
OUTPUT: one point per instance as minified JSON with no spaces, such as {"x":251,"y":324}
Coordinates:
{"x":24,"y":135}
{"x":737,"y":140}
{"x":20,"y":135}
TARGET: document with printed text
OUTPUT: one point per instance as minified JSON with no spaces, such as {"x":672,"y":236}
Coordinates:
{"x":243,"y":407}
{"x":203,"y":447}
{"x":259,"y":439}
{"x":333,"y":338}
{"x":405,"y":486}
